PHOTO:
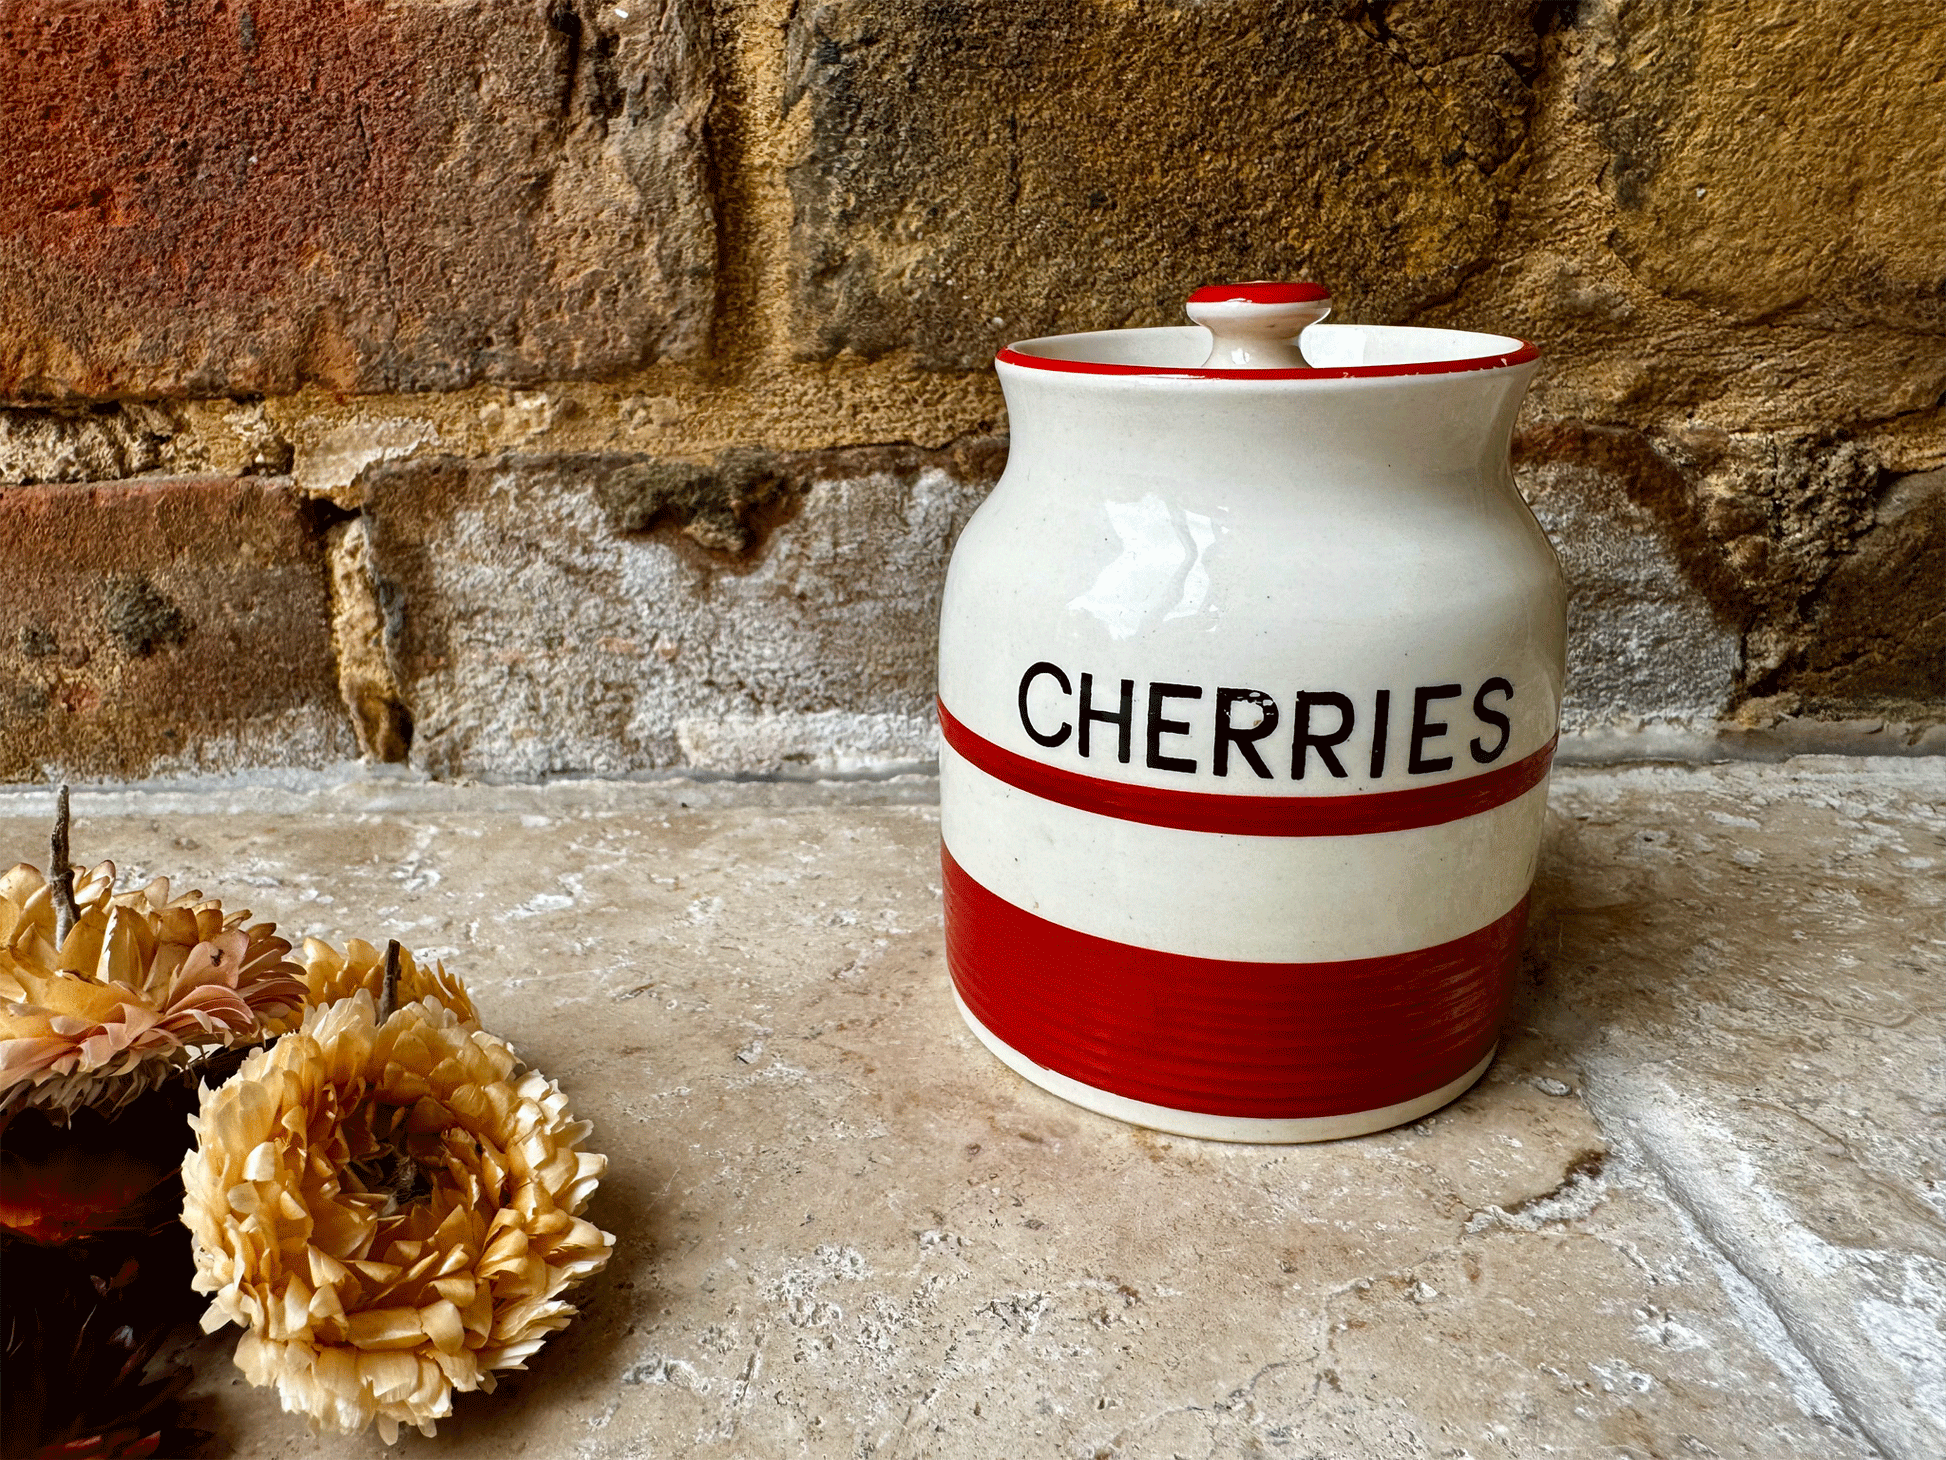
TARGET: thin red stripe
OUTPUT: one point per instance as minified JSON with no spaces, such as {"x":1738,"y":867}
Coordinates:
{"x":1263,"y":291}
{"x":1362,"y":815}
{"x":1275,"y":1041}
{"x":1520,"y":356}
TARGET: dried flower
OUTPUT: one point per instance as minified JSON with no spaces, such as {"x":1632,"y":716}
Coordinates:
{"x":87,"y":1347}
{"x":390,"y":1210}
{"x":141,"y":985}
{"x":330,"y":975}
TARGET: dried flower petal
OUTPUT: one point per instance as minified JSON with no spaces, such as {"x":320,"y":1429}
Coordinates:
{"x":141,"y":985}
{"x":330,"y":975}
{"x":391,"y":1211}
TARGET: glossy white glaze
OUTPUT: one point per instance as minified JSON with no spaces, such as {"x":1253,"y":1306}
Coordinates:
{"x":1258,"y":899}
{"x":1320,"y":539}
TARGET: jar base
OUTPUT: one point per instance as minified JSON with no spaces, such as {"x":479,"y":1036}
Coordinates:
{"x":1248,"y":1129}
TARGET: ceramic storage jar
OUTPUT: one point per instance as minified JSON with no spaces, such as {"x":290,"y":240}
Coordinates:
{"x":1250,"y":674}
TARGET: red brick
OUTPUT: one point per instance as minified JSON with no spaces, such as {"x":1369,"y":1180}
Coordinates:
{"x":159,"y":626}
{"x":206,"y":197}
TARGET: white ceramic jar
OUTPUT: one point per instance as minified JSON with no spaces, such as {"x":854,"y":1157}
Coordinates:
{"x":1250,"y":673}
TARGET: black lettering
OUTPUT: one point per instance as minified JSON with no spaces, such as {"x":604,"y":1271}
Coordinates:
{"x":1158,"y":727}
{"x":1492,"y":717}
{"x":1381,"y":712}
{"x":1124,"y":721}
{"x":1424,"y":729}
{"x":1305,"y":741}
{"x":1244,"y":740}
{"x":1026,"y":682}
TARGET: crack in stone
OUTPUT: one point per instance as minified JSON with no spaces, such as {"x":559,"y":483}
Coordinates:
{"x":1853,"y":1408}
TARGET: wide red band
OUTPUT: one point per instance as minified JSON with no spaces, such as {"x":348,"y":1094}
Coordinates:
{"x":1276,"y":1041}
{"x":1374,"y":811}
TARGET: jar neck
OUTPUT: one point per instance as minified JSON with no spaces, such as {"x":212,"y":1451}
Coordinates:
{"x":1281,"y":435}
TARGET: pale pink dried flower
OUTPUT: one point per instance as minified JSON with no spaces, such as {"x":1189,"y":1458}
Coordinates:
{"x":142,"y":984}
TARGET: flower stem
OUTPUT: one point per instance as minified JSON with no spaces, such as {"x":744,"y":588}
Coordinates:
{"x":60,"y":876}
{"x":388,"y":999}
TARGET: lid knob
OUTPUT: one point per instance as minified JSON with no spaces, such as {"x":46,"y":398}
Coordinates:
{"x":1255,"y":326}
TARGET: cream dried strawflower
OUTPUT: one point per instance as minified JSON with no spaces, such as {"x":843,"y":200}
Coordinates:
{"x":390,"y":1210}
{"x":142,"y":983}
{"x":330,"y":975}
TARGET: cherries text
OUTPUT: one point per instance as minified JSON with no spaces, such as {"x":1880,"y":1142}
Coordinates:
{"x":1250,"y":731}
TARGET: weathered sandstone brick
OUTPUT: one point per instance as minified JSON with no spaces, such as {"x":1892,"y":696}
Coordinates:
{"x":1732,"y":216}
{"x":1876,"y":632}
{"x":976,"y":172}
{"x":611,"y":612}
{"x":1707,"y":569}
{"x":202,"y":198}
{"x":1774,"y":156}
{"x":164,"y":626}
{"x":1645,"y":642}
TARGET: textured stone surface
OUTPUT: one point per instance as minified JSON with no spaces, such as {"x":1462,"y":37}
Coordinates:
{"x":1755,"y":198}
{"x":1782,"y":1068}
{"x":366,"y":678}
{"x":1643,"y":641}
{"x":1710,"y":571}
{"x":1879,"y":630}
{"x":612,"y":613}
{"x":975,"y":173}
{"x":1694,"y":1209}
{"x":140,"y":438}
{"x":164,"y":627}
{"x":200,"y":199}
{"x":1801,"y":292}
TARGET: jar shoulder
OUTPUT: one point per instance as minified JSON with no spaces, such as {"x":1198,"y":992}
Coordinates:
{"x":1146,"y":553}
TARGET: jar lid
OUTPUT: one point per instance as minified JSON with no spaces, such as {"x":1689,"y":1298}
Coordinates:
{"x":1250,"y":331}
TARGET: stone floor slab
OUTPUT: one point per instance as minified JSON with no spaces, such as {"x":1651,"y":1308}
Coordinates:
{"x":1693,"y":1209}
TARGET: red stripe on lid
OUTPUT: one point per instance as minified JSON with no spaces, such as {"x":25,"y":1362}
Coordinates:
{"x":1360,"y":815}
{"x":1275,"y":1041}
{"x":1260,"y":292}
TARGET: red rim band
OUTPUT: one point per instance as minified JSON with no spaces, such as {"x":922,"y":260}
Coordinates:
{"x":1519,"y":356}
{"x":1273,"y":1041}
{"x":1362,"y":815}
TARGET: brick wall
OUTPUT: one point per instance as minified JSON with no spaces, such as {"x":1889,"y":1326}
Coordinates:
{"x":517,"y":387}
